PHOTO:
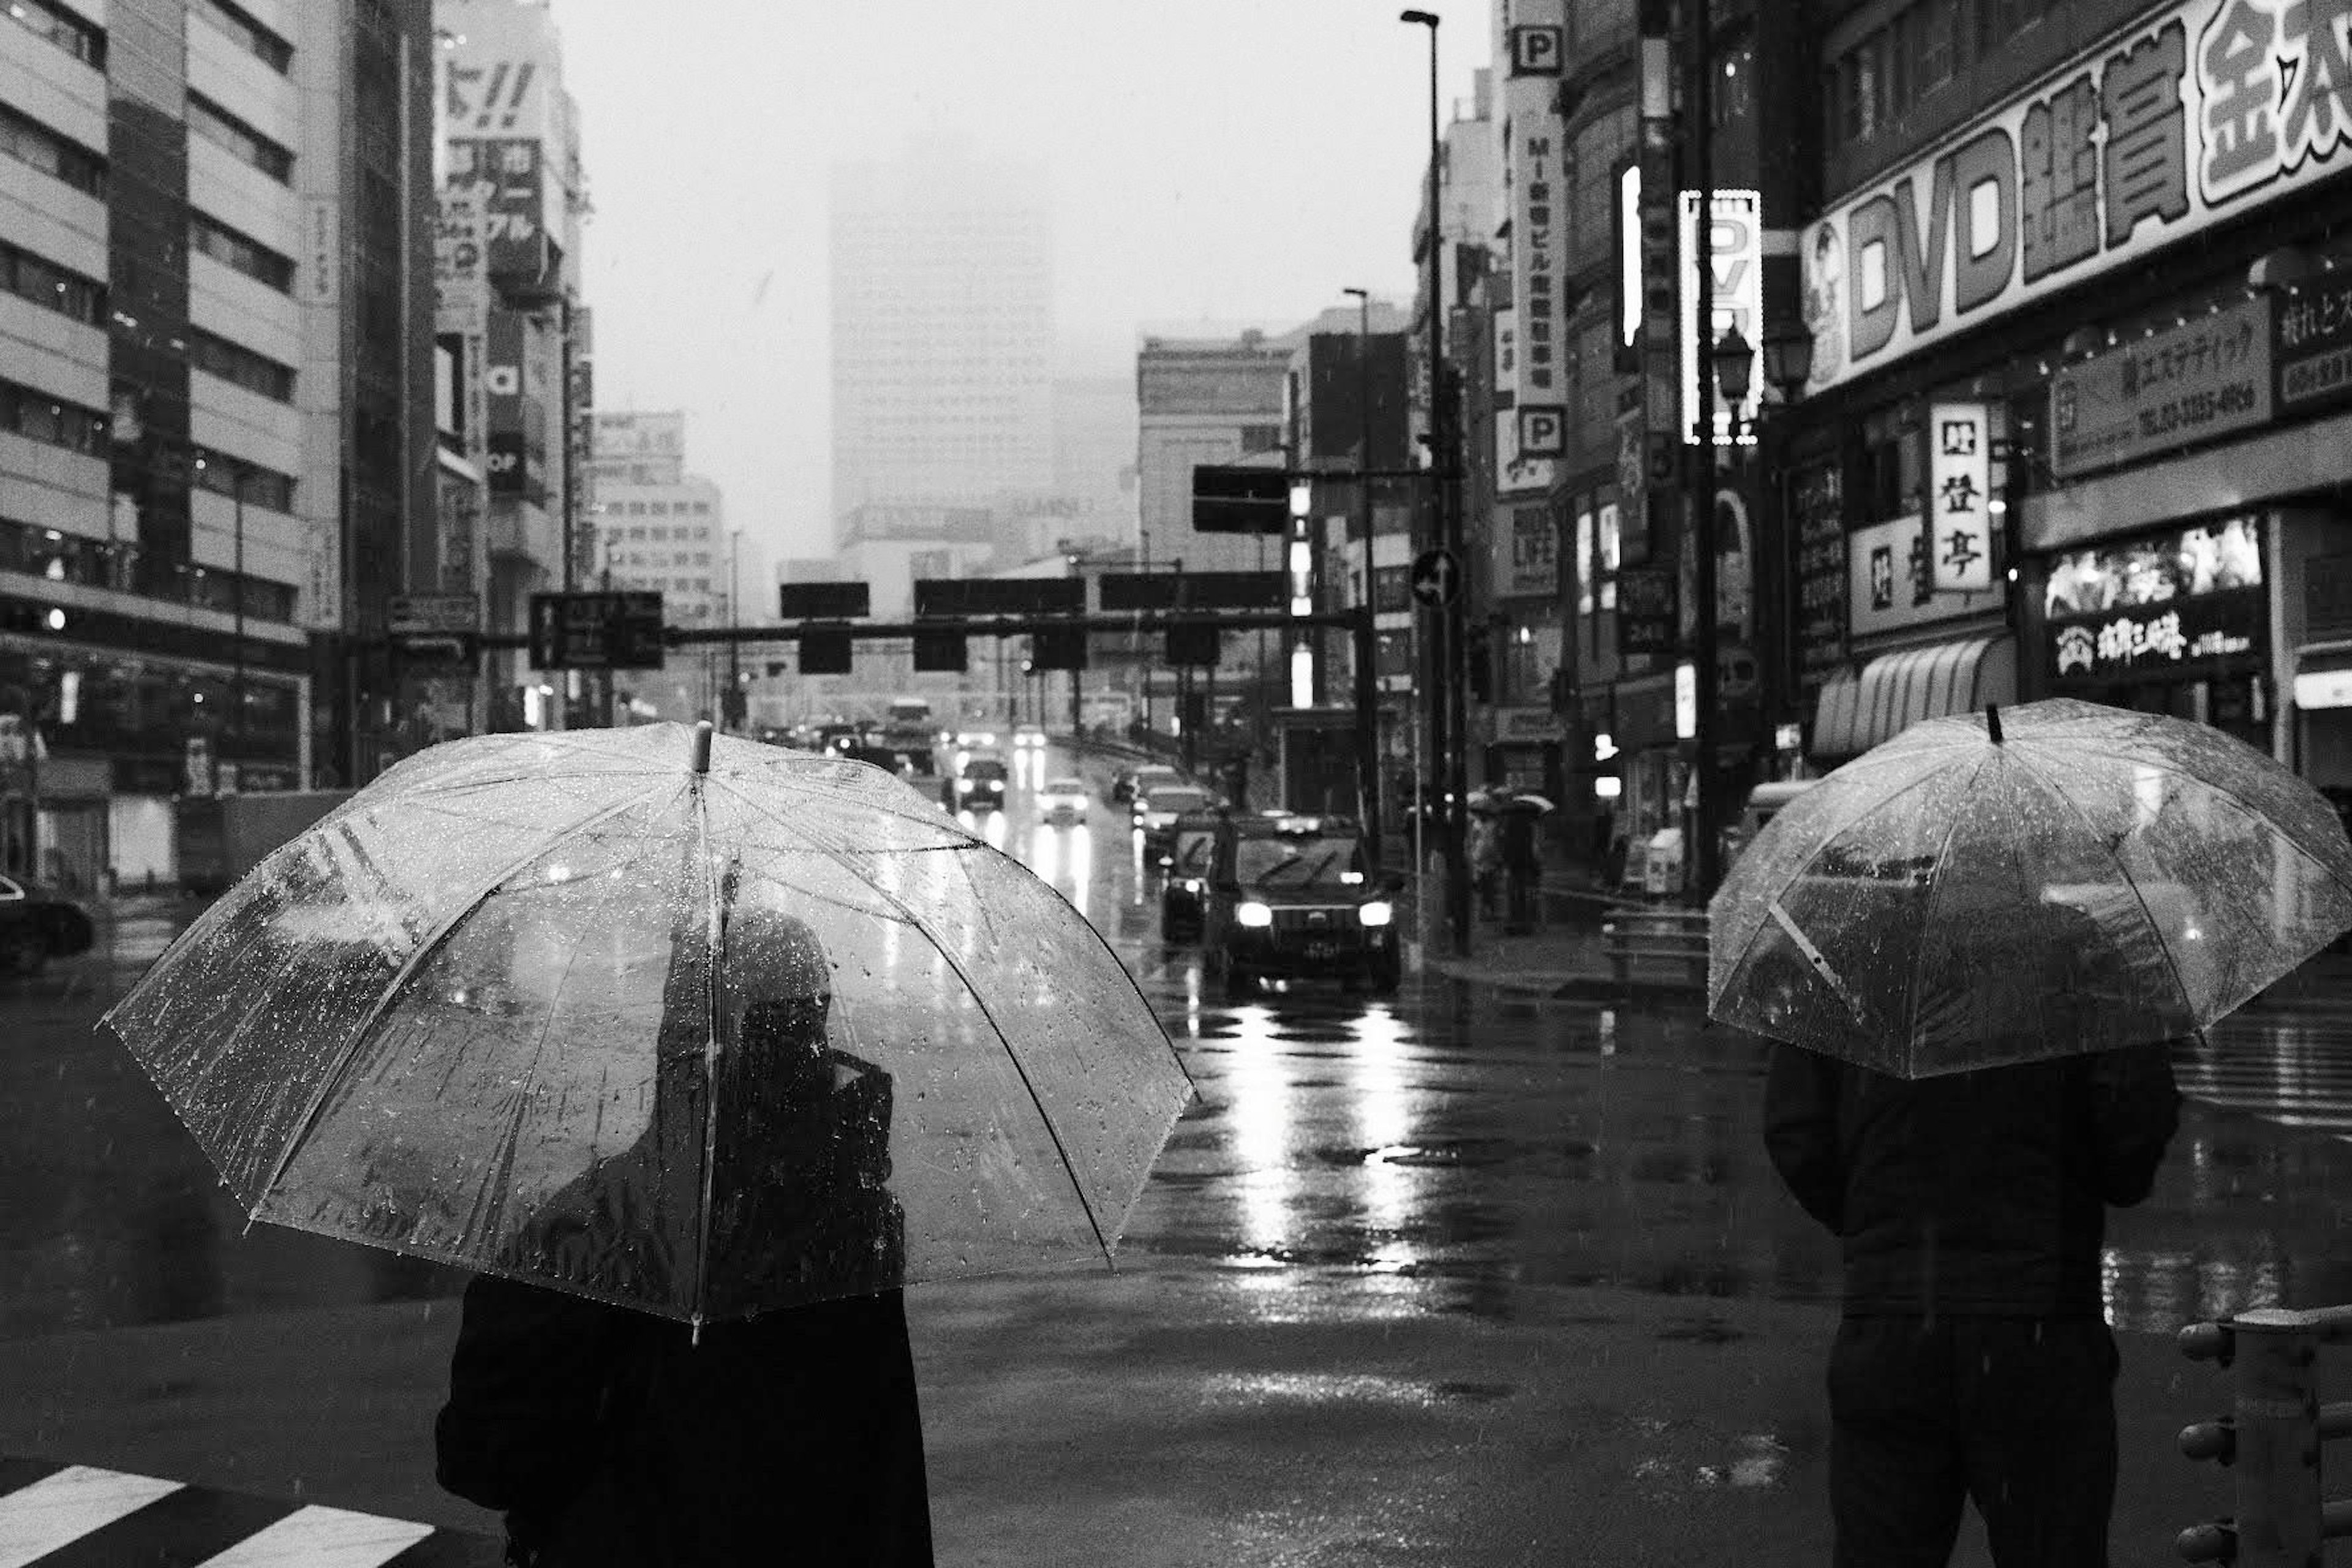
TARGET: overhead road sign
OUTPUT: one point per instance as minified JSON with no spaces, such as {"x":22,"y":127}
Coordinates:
{"x":1192,"y":591}
{"x":426,"y":614}
{"x":823,"y":601}
{"x":1057,"y":649}
{"x":596,"y":631}
{"x":1230,"y":499}
{"x":945,"y":596}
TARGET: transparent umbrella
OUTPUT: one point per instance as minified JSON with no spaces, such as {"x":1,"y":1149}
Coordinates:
{"x":701,"y":1027}
{"x":2033,"y":882}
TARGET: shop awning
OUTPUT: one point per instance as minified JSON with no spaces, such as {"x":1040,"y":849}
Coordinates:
{"x":1896,"y":690}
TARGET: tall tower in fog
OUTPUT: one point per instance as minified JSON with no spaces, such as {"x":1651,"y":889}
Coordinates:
{"x":942,"y":333}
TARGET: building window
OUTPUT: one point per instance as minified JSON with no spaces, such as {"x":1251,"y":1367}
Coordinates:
{"x":2000,"y":21}
{"x":45,"y":283}
{"x":30,"y":142}
{"x":1920,"y":52}
{"x":250,"y":256}
{"x":273,"y":51}
{"x":264,"y":488}
{"x":63,"y":28}
{"x":236,"y":363}
{"x":222,"y":129}
{"x":1257,"y":438}
{"x":660,"y":509}
{"x":37,"y":416}
{"x":1862,"y":89}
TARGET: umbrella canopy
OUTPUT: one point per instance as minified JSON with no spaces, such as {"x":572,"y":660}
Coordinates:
{"x":571,"y":1008}
{"x":1527,"y":800}
{"x":2033,"y":882}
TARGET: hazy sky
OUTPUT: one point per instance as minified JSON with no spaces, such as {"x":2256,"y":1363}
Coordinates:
{"x":1219,"y":160}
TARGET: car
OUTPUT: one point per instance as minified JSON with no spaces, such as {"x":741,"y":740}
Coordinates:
{"x":1183,"y":896}
{"x":979,"y":785}
{"x":38,"y":924}
{"x":1132,"y":782}
{"x":1295,"y":898}
{"x":1063,"y":800}
{"x":1156,"y":811}
{"x":1028,"y":737}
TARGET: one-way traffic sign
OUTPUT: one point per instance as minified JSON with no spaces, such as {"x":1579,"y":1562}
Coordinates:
{"x":1436,"y":578}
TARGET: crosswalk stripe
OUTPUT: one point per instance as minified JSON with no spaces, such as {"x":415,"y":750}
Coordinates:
{"x":324,"y":1537}
{"x":61,"y":1508}
{"x":176,"y":1530}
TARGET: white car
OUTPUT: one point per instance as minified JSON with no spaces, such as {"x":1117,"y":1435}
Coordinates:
{"x":1027,"y":737}
{"x":1062,"y":800}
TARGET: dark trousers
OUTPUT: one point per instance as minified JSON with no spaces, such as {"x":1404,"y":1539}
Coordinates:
{"x":2017,"y":1414}
{"x":1520,"y":884}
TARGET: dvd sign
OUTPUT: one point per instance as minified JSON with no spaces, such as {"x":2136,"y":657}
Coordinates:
{"x":2206,"y":110}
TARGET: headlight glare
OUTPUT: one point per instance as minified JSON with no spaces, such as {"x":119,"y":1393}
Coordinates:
{"x":1255,"y":915}
{"x":1379,"y":913}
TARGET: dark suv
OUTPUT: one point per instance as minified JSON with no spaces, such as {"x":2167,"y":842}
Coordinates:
{"x":1294,"y":896}
{"x":1184,"y":894}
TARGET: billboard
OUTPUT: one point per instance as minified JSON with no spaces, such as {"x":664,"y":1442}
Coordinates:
{"x":1735,"y":250}
{"x":1530,"y":441}
{"x":506,"y":177}
{"x":639,"y":435}
{"x":2194,"y":115}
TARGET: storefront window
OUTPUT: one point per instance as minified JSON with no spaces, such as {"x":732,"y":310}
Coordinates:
{"x":91,"y":701}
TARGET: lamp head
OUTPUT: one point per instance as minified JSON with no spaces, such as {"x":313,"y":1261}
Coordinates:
{"x":1426,"y":18}
{"x":1735,"y":363}
{"x":1787,"y":358}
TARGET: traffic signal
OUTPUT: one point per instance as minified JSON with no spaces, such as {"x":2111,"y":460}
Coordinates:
{"x":1058,"y":649}
{"x":825,"y":652}
{"x":939,"y":651}
{"x":1227,"y":500}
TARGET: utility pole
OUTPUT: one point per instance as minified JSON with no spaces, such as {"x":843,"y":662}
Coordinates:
{"x":1368,"y":717}
{"x":1699,"y":480}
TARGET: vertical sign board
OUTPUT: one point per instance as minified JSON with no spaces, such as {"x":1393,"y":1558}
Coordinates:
{"x":1536,"y":433}
{"x":2199,"y":113}
{"x":1960,"y":504}
{"x":1734,"y":249}
{"x":502,"y":392}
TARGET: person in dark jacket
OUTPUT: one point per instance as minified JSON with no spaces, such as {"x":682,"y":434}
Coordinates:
{"x":1974,"y":1359}
{"x":1522,"y":868}
{"x":608,"y":1434}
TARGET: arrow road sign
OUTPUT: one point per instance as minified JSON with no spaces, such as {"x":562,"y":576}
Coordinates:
{"x":1436,"y":578}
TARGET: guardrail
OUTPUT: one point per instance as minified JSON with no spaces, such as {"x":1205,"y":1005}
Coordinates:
{"x":2271,"y":1439}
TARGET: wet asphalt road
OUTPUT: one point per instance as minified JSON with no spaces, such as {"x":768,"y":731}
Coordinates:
{"x":1454,"y":1279}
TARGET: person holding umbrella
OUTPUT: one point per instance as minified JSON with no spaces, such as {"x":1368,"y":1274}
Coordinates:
{"x":606,"y":1435}
{"x":1976,"y":946}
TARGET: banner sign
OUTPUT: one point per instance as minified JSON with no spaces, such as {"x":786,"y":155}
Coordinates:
{"x":1818,"y":500}
{"x":1889,"y":587}
{"x":1535,"y":551}
{"x":2190,"y":118}
{"x":1649,"y":612}
{"x":505,"y":174}
{"x":1959,"y":498}
{"x":1735,"y":250}
{"x":1533,"y":153}
{"x":2169,"y":638}
{"x":2311,"y":343}
{"x":2182,"y":385}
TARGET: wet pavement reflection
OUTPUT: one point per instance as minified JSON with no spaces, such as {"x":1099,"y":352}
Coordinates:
{"x":1444,"y":1152}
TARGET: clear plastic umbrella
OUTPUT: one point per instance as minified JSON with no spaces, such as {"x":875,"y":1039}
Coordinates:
{"x":2031,"y":882}
{"x":705,"y":1027}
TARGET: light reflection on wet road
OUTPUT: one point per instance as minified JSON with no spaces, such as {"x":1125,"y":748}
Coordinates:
{"x":1442,"y":1152}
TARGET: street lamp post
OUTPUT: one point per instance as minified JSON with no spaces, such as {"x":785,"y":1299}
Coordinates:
{"x":1699,"y":471}
{"x":1446,"y":732}
{"x":1788,"y":355}
{"x":734,"y":648}
{"x":1368,"y":719}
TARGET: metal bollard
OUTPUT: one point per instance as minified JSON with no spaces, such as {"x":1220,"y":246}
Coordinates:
{"x":2272,"y":1437}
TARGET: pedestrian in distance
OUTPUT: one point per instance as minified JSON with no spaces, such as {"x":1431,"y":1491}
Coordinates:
{"x":1483,"y":850}
{"x":608,"y":1435}
{"x":1522,"y":868}
{"x":1973,"y":1359}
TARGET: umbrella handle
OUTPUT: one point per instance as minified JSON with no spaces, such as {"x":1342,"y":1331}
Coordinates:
{"x":1992,"y":721}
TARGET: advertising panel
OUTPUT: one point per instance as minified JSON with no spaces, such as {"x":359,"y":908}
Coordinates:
{"x":461,"y":284}
{"x":640,"y":434}
{"x":505,"y":175}
{"x":1818,"y":502}
{"x":2191,"y":117}
{"x":1888,"y":583}
{"x":1535,"y":551}
{"x":1532,"y":150}
{"x":2311,"y":343}
{"x":1959,"y":498}
{"x":2156,"y":569}
{"x":1735,"y":250}
{"x":2182,"y":385}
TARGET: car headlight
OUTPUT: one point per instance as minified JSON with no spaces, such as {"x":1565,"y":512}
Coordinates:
{"x":1191,"y":885}
{"x":1379,"y":913}
{"x":1255,"y":915}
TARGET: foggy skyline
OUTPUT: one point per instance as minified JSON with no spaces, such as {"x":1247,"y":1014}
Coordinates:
{"x":1219,"y":165}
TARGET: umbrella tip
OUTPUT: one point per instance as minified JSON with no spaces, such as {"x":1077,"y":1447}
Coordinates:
{"x":702,"y":747}
{"x":1992,"y":721}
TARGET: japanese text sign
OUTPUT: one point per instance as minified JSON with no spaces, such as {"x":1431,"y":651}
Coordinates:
{"x":1959,"y":498}
{"x":461,"y":274}
{"x":506,"y":176}
{"x":2205,"y":110}
{"x":1888,"y":587}
{"x":1735,"y":251}
{"x":2190,"y":383}
{"x":1533,"y":155}
{"x":1818,"y":500}
{"x":2162,"y":637}
{"x":2311,"y":339}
